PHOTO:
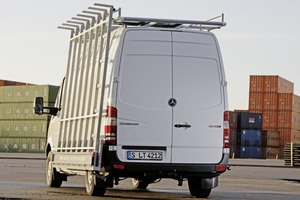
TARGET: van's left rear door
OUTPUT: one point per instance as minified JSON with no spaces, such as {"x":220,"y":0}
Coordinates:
{"x":144,"y":88}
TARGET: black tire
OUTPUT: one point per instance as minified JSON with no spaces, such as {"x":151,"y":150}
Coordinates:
{"x":139,"y":183}
{"x":196,"y":189}
{"x":94,"y":186}
{"x":51,"y":173}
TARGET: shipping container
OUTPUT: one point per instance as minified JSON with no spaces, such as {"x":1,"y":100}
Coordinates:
{"x":233,"y":152}
{"x":270,"y":84}
{"x":28,"y":93}
{"x":248,"y":137}
{"x":270,"y":101}
{"x":11,"y":83}
{"x":295,"y":136}
{"x":270,"y":138}
{"x":285,"y":135}
{"x":23,"y":128}
{"x":256,"y":101}
{"x":295,"y":120}
{"x":233,"y":137}
{"x":233,"y":120}
{"x":284,"y":119}
{"x":250,"y":152}
{"x":269,"y":121}
{"x":285,"y":101}
{"x":278,"y":85}
{"x":20,"y":110}
{"x":296,"y":103}
{"x":270,"y":153}
{"x":22,"y":145}
{"x":256,"y":84}
{"x":248,"y":120}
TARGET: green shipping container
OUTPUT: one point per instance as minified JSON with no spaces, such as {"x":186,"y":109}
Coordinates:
{"x":12,"y":111}
{"x":27,"y":93}
{"x":23,"y":128}
{"x":22,"y":145}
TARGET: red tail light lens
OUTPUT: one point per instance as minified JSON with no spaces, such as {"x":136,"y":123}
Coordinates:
{"x":226,"y":131}
{"x":110,"y":130}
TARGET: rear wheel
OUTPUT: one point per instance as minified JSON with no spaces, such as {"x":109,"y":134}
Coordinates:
{"x":94,"y":186}
{"x":51,"y":173}
{"x":196,"y":190}
{"x":139,"y":183}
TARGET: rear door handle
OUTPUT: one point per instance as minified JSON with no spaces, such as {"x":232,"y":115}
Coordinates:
{"x":185,"y":125}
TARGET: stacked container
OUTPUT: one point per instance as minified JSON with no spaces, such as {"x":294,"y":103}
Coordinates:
{"x":20,"y":129}
{"x":233,"y":117}
{"x":273,"y":97}
{"x":249,"y":135}
{"x":271,"y":144}
{"x":10,"y":83}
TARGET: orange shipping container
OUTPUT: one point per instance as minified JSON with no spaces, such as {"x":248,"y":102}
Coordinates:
{"x":295,"y":120}
{"x":269,"y":121}
{"x":296,"y":103}
{"x":284,"y":119}
{"x":256,"y":101}
{"x":270,"y":153}
{"x":285,"y":101}
{"x":271,"y":138}
{"x":256,"y":84}
{"x":270,"y":101}
{"x":1,"y":82}
{"x":295,"y":136}
{"x":278,"y":85}
{"x":285,"y":136}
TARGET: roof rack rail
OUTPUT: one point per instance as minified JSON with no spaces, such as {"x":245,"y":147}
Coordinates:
{"x":101,"y":12}
{"x":172,"y":23}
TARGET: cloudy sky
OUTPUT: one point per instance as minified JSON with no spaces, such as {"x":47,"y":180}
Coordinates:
{"x":261,"y":37}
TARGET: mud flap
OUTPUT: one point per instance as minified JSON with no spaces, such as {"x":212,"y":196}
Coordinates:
{"x":209,"y":183}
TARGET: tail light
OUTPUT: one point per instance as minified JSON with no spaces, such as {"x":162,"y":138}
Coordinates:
{"x":110,"y":129}
{"x":226,"y":131}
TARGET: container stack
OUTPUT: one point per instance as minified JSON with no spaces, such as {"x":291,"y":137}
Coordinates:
{"x":274,"y":97}
{"x":246,"y":136}
{"x":271,"y":144}
{"x":20,"y":129}
{"x":233,"y":117}
{"x":10,"y":83}
{"x":249,"y":135}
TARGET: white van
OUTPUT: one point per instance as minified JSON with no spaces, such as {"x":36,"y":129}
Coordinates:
{"x":142,"y":98}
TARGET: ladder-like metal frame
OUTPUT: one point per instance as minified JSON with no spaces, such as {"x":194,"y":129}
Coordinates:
{"x":85,"y":79}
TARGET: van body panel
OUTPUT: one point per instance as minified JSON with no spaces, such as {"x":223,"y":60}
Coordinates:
{"x":143,"y":92}
{"x":156,"y":67}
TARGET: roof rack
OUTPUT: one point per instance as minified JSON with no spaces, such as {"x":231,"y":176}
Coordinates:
{"x":101,"y":12}
{"x":172,"y":23}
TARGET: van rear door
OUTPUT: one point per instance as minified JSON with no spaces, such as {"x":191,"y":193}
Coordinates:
{"x":170,"y":98}
{"x":145,"y":82}
{"x":198,"y":114}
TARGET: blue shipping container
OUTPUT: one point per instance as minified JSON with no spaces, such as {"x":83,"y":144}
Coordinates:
{"x":249,"y":120}
{"x":251,"y":138}
{"x":251,"y":152}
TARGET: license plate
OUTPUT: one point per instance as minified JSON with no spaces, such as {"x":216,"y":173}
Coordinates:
{"x":144,"y":155}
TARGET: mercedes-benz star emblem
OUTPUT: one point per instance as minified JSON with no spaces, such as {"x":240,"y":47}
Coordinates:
{"x":172,"y":102}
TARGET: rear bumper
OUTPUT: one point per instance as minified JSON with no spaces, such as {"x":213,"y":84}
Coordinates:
{"x":161,"y":170}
